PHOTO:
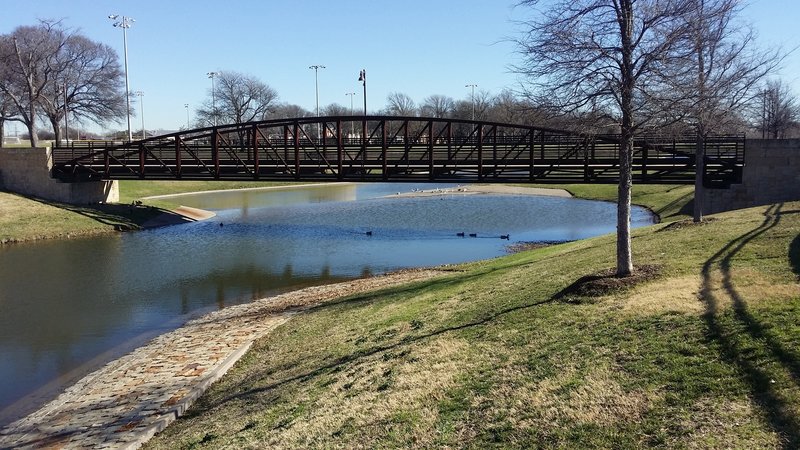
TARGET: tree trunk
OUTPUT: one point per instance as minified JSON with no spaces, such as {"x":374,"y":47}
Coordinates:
{"x":32,"y":132}
{"x":56,"y":131}
{"x":624,"y":255}
{"x":699,"y":166}
{"x":2,"y":133}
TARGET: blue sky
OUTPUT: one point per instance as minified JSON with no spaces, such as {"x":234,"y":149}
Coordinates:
{"x":416,"y":47}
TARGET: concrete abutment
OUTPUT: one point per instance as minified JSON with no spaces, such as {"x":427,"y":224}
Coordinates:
{"x":26,"y":171}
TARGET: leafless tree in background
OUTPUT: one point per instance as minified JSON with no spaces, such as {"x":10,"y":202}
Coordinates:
{"x":26,"y":56}
{"x":437,"y":106}
{"x":399,"y":104}
{"x":610,"y":53}
{"x":724,"y":69}
{"x":238,"y":98}
{"x":87,"y":82}
{"x":39,"y":63}
{"x":776,"y":110}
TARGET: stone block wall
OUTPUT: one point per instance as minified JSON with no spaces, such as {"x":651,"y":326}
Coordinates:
{"x":27,"y":171}
{"x":771,"y":174}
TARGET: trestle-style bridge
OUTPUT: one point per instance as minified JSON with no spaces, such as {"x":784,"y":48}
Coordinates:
{"x":389,"y":148}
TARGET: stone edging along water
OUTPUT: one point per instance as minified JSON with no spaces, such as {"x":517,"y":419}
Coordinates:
{"x":126,"y":402}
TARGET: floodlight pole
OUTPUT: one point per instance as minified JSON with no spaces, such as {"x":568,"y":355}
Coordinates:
{"x":125,"y":23}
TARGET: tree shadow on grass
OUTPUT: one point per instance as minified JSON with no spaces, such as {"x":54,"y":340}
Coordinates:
{"x":758,"y":379}
{"x":687,"y":206}
{"x":117,"y":216}
{"x":794,"y":256}
{"x":338,"y":363}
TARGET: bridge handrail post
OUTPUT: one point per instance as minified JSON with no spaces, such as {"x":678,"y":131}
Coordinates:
{"x":339,"y":149}
{"x":256,"y":157}
{"x":296,"y":128}
{"x":480,"y":152}
{"x":385,"y":148}
{"x":430,"y":150}
{"x":178,"y":141}
{"x":215,"y":152}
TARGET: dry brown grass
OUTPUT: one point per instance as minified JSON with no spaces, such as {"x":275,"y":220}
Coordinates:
{"x":361,"y":399}
{"x":715,"y":423}
{"x":570,"y":398}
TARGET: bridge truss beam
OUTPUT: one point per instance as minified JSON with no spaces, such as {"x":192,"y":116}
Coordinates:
{"x":387,"y":148}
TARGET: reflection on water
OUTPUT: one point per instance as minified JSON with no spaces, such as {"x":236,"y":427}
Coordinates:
{"x":67,"y":306}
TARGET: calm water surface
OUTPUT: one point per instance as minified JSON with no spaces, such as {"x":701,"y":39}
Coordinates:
{"x":67,"y":307}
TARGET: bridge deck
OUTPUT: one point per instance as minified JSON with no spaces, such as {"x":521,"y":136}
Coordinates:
{"x":395,"y":149}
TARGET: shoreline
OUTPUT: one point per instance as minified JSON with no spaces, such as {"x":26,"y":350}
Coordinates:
{"x":131,"y":398}
{"x":184,"y":214}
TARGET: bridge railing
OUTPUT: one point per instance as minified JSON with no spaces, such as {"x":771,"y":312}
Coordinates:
{"x":391,"y":149}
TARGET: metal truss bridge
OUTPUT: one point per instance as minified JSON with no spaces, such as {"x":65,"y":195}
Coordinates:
{"x":389,"y":148}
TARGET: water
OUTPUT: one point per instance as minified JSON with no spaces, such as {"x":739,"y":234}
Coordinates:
{"x":66,"y":307}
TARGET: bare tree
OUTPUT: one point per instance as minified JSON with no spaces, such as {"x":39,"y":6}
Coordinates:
{"x":26,"y":56}
{"x":335,"y":109}
{"x":723,"y":71}
{"x":776,"y":110}
{"x":238,"y":98}
{"x":7,"y":114}
{"x":438,"y":106}
{"x":399,"y":104}
{"x":87,"y":82}
{"x":610,"y":53}
{"x":287,"y":111}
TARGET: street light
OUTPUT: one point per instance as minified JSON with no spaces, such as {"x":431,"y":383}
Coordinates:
{"x":316,"y":68}
{"x":140,"y":94}
{"x":66,"y":113}
{"x":351,"y":95}
{"x":362,"y":76}
{"x":473,"y":86}
{"x":186,"y":105}
{"x":125,"y":23}
{"x":213,"y":96}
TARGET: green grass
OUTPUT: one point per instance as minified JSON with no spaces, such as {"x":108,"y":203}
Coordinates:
{"x":670,"y":202}
{"x":130,"y":190}
{"x":26,"y":219}
{"x":495,"y":355}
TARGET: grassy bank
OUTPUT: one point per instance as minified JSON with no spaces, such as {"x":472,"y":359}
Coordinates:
{"x":26,"y":219}
{"x":535,"y":350}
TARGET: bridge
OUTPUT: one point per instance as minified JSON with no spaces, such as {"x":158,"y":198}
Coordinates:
{"x":390,"y":148}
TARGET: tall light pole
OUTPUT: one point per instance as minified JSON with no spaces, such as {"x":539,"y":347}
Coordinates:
{"x":316,"y":68}
{"x":140,"y":94}
{"x":213,"y":96}
{"x":351,"y":95}
{"x":473,"y":86}
{"x":186,"y":105}
{"x":125,"y":23}
{"x":362,"y":76}
{"x":66,"y":112}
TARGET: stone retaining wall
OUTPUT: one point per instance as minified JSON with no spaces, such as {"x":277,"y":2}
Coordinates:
{"x":771,"y":175}
{"x":27,"y":171}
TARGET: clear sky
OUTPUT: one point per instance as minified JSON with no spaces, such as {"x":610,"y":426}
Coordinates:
{"x":418,"y":47}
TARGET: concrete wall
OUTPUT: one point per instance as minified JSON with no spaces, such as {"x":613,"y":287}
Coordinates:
{"x":27,"y":171}
{"x":771,"y":174}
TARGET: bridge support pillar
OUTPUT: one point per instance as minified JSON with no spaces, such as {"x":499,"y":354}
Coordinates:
{"x":26,"y":171}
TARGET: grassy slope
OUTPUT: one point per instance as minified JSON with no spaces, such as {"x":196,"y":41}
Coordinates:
{"x":704,"y":356}
{"x":26,"y":219}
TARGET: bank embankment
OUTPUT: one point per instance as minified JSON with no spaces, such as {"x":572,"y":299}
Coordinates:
{"x":127,"y":401}
{"x":543,"y":348}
